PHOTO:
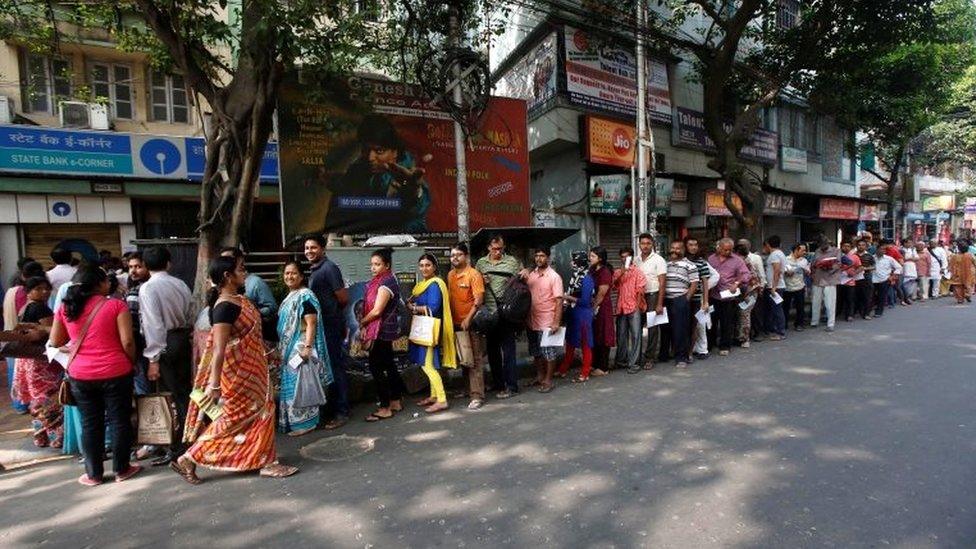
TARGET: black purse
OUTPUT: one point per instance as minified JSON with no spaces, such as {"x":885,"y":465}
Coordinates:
{"x":485,"y":319}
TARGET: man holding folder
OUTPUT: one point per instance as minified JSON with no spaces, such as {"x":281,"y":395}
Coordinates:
{"x":466,"y":288}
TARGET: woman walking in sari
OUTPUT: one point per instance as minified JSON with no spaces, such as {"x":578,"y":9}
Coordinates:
{"x":579,"y":321}
{"x":233,"y":374}
{"x":378,"y":328}
{"x":962,"y":265}
{"x":429,"y":298}
{"x":39,"y":379}
{"x":299,"y":332}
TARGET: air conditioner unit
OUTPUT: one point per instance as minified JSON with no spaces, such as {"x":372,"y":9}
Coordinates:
{"x":99,"y":116}
{"x":6,"y":110}
{"x":74,"y":114}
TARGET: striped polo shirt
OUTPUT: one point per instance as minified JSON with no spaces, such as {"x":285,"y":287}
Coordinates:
{"x":681,"y":274}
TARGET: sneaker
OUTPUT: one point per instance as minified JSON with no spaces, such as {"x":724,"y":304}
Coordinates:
{"x":723,"y":352}
{"x":476,"y":404}
{"x":681,"y":365}
{"x":634,"y":370}
{"x":830,"y":328}
{"x":700,"y":356}
{"x":745,"y":345}
{"x":505,"y":394}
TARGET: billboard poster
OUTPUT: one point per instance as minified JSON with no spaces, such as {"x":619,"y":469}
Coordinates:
{"x":610,"y":142}
{"x":365,"y":156}
{"x":602,"y":75}
{"x":533,"y":78}
{"x":715,"y":203}
{"x":936,"y":203}
{"x":689,"y":131}
{"x":611,"y":194}
{"x":838,"y":208}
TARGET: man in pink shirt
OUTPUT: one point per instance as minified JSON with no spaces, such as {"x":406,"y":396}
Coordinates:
{"x":546,"y":288}
{"x":850,"y":270}
{"x":733,"y":274}
{"x":630,"y":283}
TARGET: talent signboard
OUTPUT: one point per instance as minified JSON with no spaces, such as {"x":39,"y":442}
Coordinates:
{"x":793,"y":160}
{"x":715,"y":203}
{"x":603,"y":75}
{"x":611,"y":194}
{"x":368,"y":156}
{"x":532,"y":78}
{"x":689,"y":131}
{"x":610,"y":142}
{"x":839,"y":208}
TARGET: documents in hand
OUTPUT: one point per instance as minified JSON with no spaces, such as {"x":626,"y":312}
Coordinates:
{"x":296,"y":359}
{"x":553,"y":339}
{"x":654,"y":319}
{"x":703,"y":317}
{"x":725,"y":294}
{"x":213,"y":411}
{"x":777,"y":299}
{"x":749,"y":302}
{"x":55,"y":354}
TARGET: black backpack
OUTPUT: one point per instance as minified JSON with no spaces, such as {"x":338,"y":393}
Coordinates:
{"x":515,"y":302}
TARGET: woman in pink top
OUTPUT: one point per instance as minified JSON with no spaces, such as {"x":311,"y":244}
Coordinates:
{"x":101,"y":371}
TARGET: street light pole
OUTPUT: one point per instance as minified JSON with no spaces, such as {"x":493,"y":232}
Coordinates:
{"x":464,"y":230}
{"x":645,"y":144}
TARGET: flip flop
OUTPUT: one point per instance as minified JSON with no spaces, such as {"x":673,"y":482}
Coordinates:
{"x":546,"y":388}
{"x":187,"y":475}
{"x":580,"y":379}
{"x":277,"y":470}
{"x":132,"y":471}
{"x":373,"y":418}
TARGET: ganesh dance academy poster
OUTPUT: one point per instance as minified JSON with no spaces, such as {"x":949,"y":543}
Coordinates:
{"x":364,"y":157}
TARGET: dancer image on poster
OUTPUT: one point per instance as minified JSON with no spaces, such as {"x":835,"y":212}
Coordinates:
{"x":384,"y":188}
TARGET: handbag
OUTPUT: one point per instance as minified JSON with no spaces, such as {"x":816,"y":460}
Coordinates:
{"x":465,"y":352}
{"x":425,"y":330}
{"x":156,"y":415}
{"x":308,"y":388}
{"x":65,"y":398}
{"x":485,"y":319}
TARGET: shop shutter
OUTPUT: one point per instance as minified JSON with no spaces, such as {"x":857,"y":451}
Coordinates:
{"x":614,"y":234}
{"x":784,"y":227}
{"x":40,"y":239}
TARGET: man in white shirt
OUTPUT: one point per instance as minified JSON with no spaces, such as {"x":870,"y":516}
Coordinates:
{"x":940,"y":261}
{"x":655,"y":271}
{"x":885,"y":268}
{"x":62,"y":272}
{"x":776,"y":285}
{"x":909,"y":282}
{"x":165,"y":304}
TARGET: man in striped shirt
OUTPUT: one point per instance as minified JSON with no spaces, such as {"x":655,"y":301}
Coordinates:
{"x":681,"y":284}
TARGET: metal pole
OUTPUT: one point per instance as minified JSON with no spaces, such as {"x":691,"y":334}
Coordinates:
{"x":643,"y":188}
{"x":633,"y":214}
{"x":464,"y":231}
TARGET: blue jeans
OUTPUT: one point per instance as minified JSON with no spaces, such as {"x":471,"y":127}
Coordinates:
{"x":142,"y":384}
{"x":501,"y":357}
{"x":628,"y":339}
{"x":679,"y":320}
{"x":335,"y":332}
{"x":775,"y":315}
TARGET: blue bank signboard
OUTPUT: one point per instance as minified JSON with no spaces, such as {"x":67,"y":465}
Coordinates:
{"x":51,"y":151}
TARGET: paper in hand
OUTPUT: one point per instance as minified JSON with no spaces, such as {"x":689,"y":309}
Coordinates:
{"x":654,"y":319}
{"x":553,"y":339}
{"x":725,"y":294}
{"x":296,"y":360}
{"x":702,"y":317}
{"x":777,"y":299}
{"x":55,"y":354}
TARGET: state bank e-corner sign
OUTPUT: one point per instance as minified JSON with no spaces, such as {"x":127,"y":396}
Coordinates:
{"x":109,"y":154}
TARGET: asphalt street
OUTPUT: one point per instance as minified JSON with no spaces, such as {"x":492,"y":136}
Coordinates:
{"x":864,"y":437}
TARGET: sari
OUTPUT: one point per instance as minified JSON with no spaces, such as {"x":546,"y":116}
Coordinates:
{"x":291,"y":331}
{"x":432,"y":293}
{"x":242,"y":436}
{"x":963,"y":271}
{"x":36,"y":383}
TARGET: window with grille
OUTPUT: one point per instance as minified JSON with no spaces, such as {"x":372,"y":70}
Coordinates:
{"x":169,"y":98}
{"x":371,"y":10}
{"x":48,"y":82}
{"x":788,"y":14}
{"x":113,"y":83}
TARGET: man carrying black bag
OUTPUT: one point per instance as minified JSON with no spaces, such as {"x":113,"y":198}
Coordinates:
{"x":498,"y":268}
{"x":164,"y":312}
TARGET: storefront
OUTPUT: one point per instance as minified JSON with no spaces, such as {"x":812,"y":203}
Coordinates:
{"x":778,"y":219}
{"x":837,"y":220}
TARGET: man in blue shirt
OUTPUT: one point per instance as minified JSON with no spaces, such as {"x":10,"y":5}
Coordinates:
{"x":328,"y":286}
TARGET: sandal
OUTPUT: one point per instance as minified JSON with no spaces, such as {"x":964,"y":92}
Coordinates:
{"x":426,"y":402}
{"x":560,"y":375}
{"x":598,"y":373}
{"x":86,"y":480}
{"x":301,"y":432}
{"x":277,"y":470}
{"x":188,"y":475}
{"x":132,"y":471}
{"x":547,"y":388}
{"x":581,"y":379}
{"x":374,"y":417}
{"x":436,"y":407}
{"x":533,"y":383}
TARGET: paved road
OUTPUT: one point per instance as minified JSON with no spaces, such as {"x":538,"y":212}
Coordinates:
{"x":860,"y":438}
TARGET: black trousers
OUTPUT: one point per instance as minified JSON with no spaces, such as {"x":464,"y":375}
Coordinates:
{"x":501,"y":357}
{"x":176,"y":375}
{"x":679,"y":320}
{"x":880,"y":297}
{"x":723,"y":322}
{"x":796,"y":300}
{"x":389,"y":384}
{"x":845,"y":301}
{"x":99,"y":402}
{"x":862,"y":297}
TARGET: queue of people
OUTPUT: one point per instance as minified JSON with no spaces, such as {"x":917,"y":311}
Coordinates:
{"x":267,"y":367}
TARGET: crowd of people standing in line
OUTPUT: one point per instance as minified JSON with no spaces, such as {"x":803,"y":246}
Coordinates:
{"x":130,"y":334}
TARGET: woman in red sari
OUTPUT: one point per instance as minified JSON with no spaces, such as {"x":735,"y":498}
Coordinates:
{"x":233,"y":374}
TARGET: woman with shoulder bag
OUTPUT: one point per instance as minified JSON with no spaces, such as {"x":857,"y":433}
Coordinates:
{"x":100,"y":370}
{"x":430,"y":299}
{"x":378,"y":328}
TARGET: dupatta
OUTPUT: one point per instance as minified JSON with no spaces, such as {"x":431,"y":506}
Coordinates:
{"x":448,"y":349}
